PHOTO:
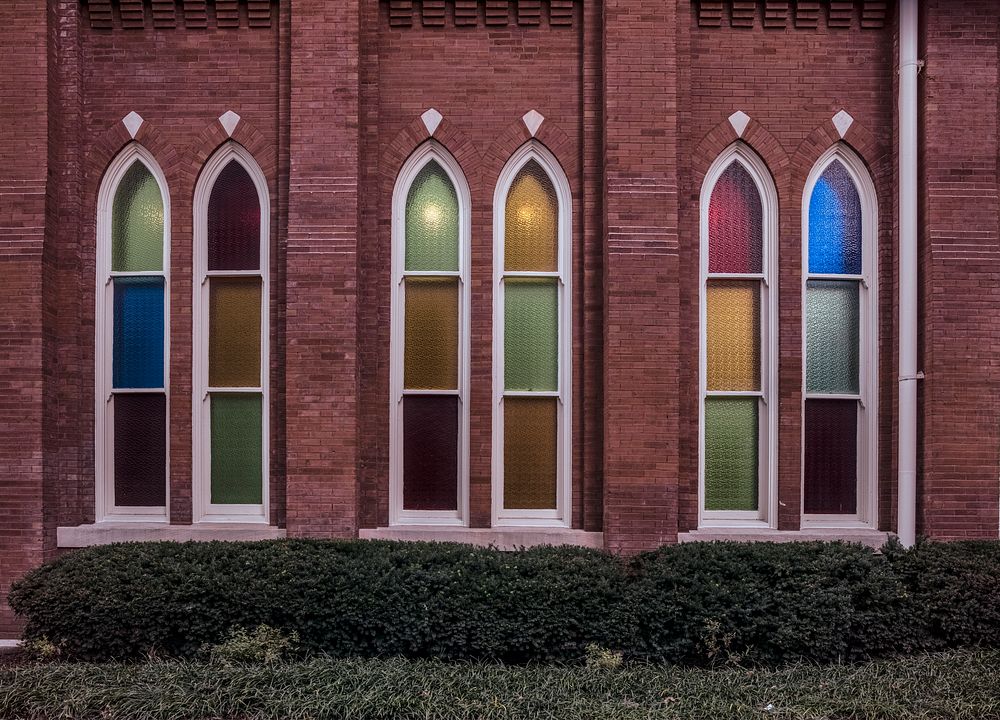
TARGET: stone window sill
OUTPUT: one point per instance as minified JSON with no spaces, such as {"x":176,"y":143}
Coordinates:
{"x":502,"y":538}
{"x":105,"y":533}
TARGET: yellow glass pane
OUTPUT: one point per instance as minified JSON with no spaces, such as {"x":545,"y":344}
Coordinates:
{"x":234,"y":332}
{"x":531,"y":222}
{"x":530,"y":430}
{"x":733,"y":334}
{"x":430,"y":357}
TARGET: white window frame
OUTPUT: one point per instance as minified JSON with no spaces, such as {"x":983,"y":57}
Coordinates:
{"x":203,"y":508}
{"x":430,"y":151}
{"x":867,"y":511}
{"x":767,"y":504}
{"x":562,"y":515}
{"x":104,"y":489}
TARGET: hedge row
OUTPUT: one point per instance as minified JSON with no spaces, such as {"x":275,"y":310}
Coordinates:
{"x":950,"y":686}
{"x":693,"y":603}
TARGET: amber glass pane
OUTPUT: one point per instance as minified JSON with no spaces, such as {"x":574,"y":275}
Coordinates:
{"x":234,"y":332}
{"x":529,"y":453}
{"x":432,"y":221}
{"x":234,"y":221}
{"x":430,"y":360}
{"x":735,"y":223}
{"x":531,"y":235}
{"x":732,"y":314}
{"x":137,"y":222}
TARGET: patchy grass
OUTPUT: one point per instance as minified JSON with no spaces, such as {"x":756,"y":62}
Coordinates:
{"x":947,"y":686}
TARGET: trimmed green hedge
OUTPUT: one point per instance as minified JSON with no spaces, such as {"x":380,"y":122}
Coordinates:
{"x":694,"y":603}
{"x":951,"y":686}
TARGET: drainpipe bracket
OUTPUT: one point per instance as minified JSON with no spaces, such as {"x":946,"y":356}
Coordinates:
{"x":905,"y":378}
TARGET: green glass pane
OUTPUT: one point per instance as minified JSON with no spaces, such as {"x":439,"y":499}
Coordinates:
{"x":236,"y":449}
{"x":432,"y":221}
{"x":531,"y":334}
{"x":137,"y":222}
{"x":731,"y":445}
{"x":832,"y":336}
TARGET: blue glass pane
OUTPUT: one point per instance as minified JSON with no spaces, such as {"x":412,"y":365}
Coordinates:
{"x":138,"y":329}
{"x":835,"y":223}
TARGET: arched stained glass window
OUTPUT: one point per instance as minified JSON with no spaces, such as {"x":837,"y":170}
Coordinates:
{"x":736,"y":384}
{"x":532,"y":310}
{"x":133,"y":252}
{"x":429,"y":411}
{"x":837,"y":334}
{"x":231,"y":428}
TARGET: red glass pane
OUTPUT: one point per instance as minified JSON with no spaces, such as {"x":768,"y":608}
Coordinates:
{"x":430,"y":452}
{"x":735,"y":223}
{"x":831,"y":461}
{"x":234,"y":221}
{"x":140,"y":455}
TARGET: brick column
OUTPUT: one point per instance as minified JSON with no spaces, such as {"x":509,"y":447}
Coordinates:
{"x":23,"y":167}
{"x":641,"y":289}
{"x":321,"y":344}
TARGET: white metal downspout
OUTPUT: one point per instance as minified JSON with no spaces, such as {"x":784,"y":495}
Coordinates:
{"x":908,"y":376}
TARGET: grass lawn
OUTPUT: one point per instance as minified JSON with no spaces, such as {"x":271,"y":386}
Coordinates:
{"x":957,"y":685}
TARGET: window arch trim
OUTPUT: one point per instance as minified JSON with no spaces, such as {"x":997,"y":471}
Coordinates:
{"x":104,"y":495}
{"x":430,"y":151}
{"x":203,"y":510}
{"x":767,"y":508}
{"x":867,"y":498}
{"x":562,"y":515}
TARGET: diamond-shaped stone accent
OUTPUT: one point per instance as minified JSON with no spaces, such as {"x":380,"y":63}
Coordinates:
{"x":432,"y":118}
{"x":229,"y":121}
{"x":533,"y":120}
{"x":842,"y":121}
{"x":739,"y":120}
{"x":132,"y":122}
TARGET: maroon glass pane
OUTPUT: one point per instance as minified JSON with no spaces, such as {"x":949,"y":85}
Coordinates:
{"x":430,"y":452}
{"x":233,"y":221}
{"x":140,"y":450}
{"x":831,"y":472}
{"x":735,"y":223}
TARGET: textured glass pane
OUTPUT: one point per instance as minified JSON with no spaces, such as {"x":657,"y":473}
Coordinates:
{"x":236,"y":449}
{"x":531,"y":334}
{"x":138,"y":332}
{"x":832,"y":336}
{"x":731,"y":444}
{"x":432,"y":221}
{"x":233,"y":221}
{"x":137,"y":222}
{"x":735,"y":223}
{"x":234,"y":332}
{"x":831,"y":457}
{"x":531,"y":234}
{"x":430,"y":452}
{"x":140,"y":450}
{"x":835,"y":223}
{"x":530,"y":430}
{"x":732,"y":314}
{"x":430,"y":359}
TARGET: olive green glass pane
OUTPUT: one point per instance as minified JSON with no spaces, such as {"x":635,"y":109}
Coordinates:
{"x":530,"y":432}
{"x":137,"y":222}
{"x":430,"y":359}
{"x":531,"y":334}
{"x":237,"y":433}
{"x":833,"y":324}
{"x":531,"y":222}
{"x":234,"y":332}
{"x":731,"y":446}
{"x":432,"y":221}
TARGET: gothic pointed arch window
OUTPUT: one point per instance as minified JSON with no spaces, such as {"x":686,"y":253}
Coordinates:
{"x":230,"y":404}
{"x":132,"y":345}
{"x":840,"y":378}
{"x":738,"y":419}
{"x":429,"y":404}
{"x":532,"y":358}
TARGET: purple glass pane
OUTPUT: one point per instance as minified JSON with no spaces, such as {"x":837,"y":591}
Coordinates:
{"x":735,"y":223}
{"x":831,"y":462}
{"x":234,"y":221}
{"x":430,"y":452}
{"x":140,"y":450}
